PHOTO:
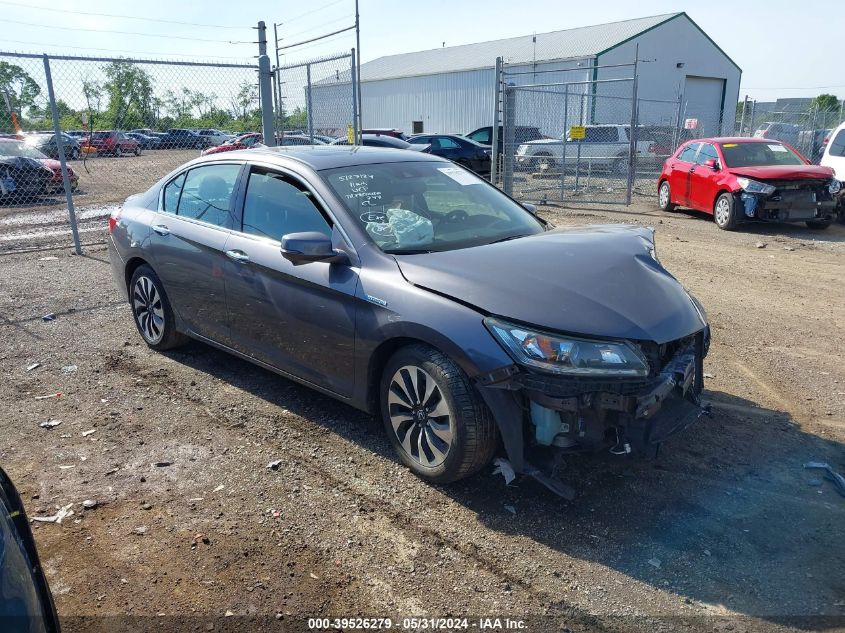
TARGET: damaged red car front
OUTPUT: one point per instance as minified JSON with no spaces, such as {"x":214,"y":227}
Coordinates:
{"x":742,"y":179}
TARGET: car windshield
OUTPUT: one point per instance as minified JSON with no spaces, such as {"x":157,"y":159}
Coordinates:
{"x":101,"y":135}
{"x":17,"y":148}
{"x":759,"y":155}
{"x":419,"y":207}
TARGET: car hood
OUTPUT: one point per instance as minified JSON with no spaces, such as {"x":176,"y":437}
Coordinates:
{"x":784,"y":172}
{"x":598,"y":281}
{"x":21,"y":162}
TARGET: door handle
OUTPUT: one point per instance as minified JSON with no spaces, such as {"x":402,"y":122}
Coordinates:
{"x":238,"y":256}
{"x":161,"y":229}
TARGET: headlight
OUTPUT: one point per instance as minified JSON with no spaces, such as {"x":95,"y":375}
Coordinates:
{"x":752,"y":186}
{"x":567,"y":355}
{"x":834,"y":187}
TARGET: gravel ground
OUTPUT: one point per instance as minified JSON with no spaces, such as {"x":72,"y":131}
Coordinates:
{"x":725,"y":531}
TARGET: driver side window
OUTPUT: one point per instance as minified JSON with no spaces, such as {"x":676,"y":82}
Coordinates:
{"x":276,"y":205}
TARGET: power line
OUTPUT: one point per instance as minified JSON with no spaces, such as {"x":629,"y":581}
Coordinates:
{"x":321,"y":37}
{"x":312,"y":11}
{"x":124,"y":17}
{"x":111,"y":50}
{"x":167,"y":37}
{"x":316,"y":28}
{"x":322,"y":41}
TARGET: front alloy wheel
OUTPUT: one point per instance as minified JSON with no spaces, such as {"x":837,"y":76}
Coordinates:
{"x":435,"y":419}
{"x":724,"y":213}
{"x":420,"y":416}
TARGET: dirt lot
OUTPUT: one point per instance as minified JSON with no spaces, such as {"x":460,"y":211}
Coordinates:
{"x":724,"y":532}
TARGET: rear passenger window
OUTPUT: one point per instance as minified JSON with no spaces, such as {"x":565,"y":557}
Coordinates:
{"x":275,"y":206}
{"x":207,"y":194}
{"x":170,"y":199}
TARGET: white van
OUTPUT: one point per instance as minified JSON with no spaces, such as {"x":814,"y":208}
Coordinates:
{"x":834,"y":157}
{"x":834,"y":152}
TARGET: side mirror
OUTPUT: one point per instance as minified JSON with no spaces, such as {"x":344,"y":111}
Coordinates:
{"x":531,"y":208}
{"x":712,"y":163}
{"x":310,"y":246}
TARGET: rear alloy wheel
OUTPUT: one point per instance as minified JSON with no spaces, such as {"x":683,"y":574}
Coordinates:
{"x":818,"y":225}
{"x":151,"y":310}
{"x":724,"y":212}
{"x":664,"y":197}
{"x":118,"y":152}
{"x":436,"y":421}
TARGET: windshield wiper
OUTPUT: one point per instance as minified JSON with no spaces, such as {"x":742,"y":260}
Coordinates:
{"x":509,"y":238}
{"x":401,"y":251}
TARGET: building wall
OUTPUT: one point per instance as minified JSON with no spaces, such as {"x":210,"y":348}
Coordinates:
{"x":462,"y":101}
{"x":660,"y":80}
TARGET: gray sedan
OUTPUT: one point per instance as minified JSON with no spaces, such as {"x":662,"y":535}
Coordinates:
{"x":409,"y":287}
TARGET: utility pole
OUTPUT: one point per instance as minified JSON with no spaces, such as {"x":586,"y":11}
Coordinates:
{"x":265,"y":88}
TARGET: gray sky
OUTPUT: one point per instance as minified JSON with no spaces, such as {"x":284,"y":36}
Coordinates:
{"x":785,"y":48}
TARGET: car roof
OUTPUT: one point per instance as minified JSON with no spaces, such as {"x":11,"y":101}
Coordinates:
{"x":733,"y":139}
{"x":319,"y":157}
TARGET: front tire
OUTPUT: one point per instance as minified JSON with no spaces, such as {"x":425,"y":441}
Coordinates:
{"x":436,"y":421}
{"x":138,"y":151}
{"x":118,"y":152}
{"x":152,"y":312}
{"x":724,"y":212}
{"x":664,"y":197}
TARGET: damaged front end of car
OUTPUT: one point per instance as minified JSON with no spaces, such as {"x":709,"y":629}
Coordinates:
{"x":788,"y":200}
{"x":624,"y":397}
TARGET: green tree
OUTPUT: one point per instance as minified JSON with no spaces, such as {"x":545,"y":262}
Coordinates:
{"x":130,"y":93}
{"x":21,"y":89}
{"x":826,"y":103}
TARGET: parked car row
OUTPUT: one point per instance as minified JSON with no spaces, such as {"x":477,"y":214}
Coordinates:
{"x":26,"y":172}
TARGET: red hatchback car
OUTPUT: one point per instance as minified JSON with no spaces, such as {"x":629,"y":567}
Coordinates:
{"x":116,"y":143}
{"x":748,"y":179}
{"x":244,"y":141}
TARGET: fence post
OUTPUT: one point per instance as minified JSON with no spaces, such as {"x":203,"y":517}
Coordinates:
{"x":354,"y":74}
{"x":265,"y":88}
{"x":564,"y":136}
{"x":308,"y":104}
{"x":632,"y":158}
{"x":494,"y":141}
{"x":509,"y":133}
{"x":60,"y":145}
{"x":742,"y":119}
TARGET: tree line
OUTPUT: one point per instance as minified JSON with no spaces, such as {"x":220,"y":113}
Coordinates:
{"x":126,"y":98}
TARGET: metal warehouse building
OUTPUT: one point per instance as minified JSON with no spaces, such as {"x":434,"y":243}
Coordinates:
{"x":451,"y":89}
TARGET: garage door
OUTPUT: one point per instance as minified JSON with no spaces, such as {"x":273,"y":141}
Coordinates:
{"x":703,"y":100}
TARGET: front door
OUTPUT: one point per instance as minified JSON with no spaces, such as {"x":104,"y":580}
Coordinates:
{"x":300,"y":319}
{"x":189,"y":233}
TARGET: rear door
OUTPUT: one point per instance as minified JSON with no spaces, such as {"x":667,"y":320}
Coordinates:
{"x":187,"y":241}
{"x":300,"y":319}
{"x":834,"y":155}
{"x":679,"y":173}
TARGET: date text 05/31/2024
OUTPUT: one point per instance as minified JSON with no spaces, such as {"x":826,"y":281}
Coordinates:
{"x":417,"y":624}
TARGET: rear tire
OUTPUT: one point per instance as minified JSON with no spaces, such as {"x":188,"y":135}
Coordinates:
{"x":138,"y":151}
{"x":664,"y":197}
{"x":544,"y":162}
{"x":724,"y":212}
{"x":818,"y":225}
{"x":152,"y":312}
{"x":437,"y":423}
{"x":118,"y":152}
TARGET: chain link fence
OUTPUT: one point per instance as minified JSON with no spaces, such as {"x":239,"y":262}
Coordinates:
{"x":125,"y":123}
{"x":317,"y":100}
